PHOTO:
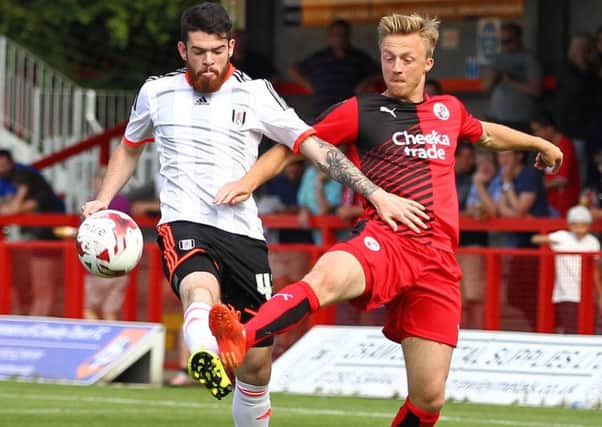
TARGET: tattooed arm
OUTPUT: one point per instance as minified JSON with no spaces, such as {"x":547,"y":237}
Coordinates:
{"x":391,"y":208}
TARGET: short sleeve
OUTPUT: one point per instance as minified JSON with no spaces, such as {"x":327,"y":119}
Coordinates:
{"x":533,"y":69}
{"x":139,"y":129}
{"x":557,"y":238}
{"x":277,"y":120}
{"x":340,"y":123}
{"x":528,"y":181}
{"x":471,"y":128}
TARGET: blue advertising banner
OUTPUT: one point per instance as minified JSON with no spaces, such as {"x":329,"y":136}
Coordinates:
{"x":66,"y":350}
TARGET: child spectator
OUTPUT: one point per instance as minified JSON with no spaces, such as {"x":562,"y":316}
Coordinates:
{"x":567,"y":286}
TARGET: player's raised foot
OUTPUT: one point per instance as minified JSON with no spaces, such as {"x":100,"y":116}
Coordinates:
{"x":224,"y":322}
{"x":206,"y":367}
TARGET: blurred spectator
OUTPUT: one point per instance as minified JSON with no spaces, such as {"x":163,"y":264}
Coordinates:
{"x":432,"y":87}
{"x":567,"y":286}
{"x":104,"y":296}
{"x":350,"y":208}
{"x":256,"y":65}
{"x":593,"y":145}
{"x":577,"y":95}
{"x":318,"y":195}
{"x":592,"y":195}
{"x":336,"y":72}
{"x":515,"y":81}
{"x":598,"y":53}
{"x":562,"y":188}
{"x":484,"y":194}
{"x":464,"y":168}
{"x":33,"y":195}
{"x":479,"y":204}
{"x":522,"y":195}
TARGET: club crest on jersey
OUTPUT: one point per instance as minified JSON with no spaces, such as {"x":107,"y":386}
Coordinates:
{"x":186,"y":244}
{"x":441,"y":111}
{"x":371,"y":243}
{"x":239,"y":117}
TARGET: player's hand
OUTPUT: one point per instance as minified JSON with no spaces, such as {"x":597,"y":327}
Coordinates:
{"x":550,"y":157}
{"x":91,"y":207}
{"x":394,"y":209}
{"x":232,"y":193}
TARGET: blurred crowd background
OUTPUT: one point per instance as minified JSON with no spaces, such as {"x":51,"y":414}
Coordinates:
{"x":534,"y":65}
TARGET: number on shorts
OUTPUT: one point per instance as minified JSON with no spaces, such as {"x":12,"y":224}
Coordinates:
{"x":264,"y":284}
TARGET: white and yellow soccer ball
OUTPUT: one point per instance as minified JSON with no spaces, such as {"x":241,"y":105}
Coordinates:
{"x":109,"y":243}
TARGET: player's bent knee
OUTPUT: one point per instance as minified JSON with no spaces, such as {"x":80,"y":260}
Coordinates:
{"x":429,"y":398}
{"x":199,"y":286}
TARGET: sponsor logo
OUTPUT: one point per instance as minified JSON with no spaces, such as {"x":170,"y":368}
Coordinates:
{"x":441,"y":111}
{"x":239,"y":117}
{"x":423,"y":146}
{"x":390,"y":111}
{"x":285,"y":297}
{"x":433,"y":138}
{"x":371,"y":243}
{"x":186,"y":245}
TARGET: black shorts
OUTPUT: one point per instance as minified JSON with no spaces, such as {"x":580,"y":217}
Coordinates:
{"x":239,"y":263}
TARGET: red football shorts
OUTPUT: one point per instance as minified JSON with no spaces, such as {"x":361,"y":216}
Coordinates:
{"x":417,"y":283}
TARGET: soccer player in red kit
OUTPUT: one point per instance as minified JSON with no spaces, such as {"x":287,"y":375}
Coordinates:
{"x":404,"y":142}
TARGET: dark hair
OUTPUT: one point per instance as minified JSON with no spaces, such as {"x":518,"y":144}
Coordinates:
{"x":544,"y":118}
{"x":516,"y":29}
{"x":464,"y":145}
{"x":7,"y":154}
{"x":208,"y":17}
{"x":341,"y":23}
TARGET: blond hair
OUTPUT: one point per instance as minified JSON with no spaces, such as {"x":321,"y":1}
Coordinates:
{"x":427,"y":28}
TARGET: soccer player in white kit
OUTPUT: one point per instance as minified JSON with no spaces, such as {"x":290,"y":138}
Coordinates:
{"x":207,"y":121}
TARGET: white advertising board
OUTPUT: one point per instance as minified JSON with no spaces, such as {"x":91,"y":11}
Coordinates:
{"x":487,"y":367}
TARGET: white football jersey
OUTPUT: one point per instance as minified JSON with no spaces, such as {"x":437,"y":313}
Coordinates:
{"x":205,"y":140}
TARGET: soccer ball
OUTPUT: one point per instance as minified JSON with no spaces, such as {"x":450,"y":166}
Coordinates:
{"x":109,"y":243}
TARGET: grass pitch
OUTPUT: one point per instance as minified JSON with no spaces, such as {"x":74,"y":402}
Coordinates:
{"x":50,"y":405}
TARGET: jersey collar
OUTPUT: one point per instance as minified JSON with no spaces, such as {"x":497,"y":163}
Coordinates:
{"x":231,"y":70}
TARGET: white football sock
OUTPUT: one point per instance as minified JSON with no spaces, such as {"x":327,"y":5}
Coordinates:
{"x":251,"y":406}
{"x":196,"y":328}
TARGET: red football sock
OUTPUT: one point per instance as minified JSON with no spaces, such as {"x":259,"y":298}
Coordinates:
{"x":286,"y":309}
{"x":411,"y":416}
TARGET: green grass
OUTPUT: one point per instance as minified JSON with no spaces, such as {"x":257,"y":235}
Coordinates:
{"x":49,"y":405}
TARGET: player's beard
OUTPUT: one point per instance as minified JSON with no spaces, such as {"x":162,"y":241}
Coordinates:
{"x":201,"y":84}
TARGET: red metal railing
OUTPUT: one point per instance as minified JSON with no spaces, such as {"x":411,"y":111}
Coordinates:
{"x":74,"y":273}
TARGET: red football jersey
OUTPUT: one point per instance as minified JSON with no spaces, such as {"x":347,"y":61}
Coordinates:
{"x":407,"y":149}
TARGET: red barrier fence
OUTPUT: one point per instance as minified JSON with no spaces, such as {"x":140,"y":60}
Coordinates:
{"x":500,"y":272}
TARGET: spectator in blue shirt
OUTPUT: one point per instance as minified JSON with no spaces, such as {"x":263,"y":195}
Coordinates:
{"x":318,"y":195}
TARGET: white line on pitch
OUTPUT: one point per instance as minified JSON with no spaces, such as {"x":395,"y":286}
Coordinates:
{"x":301,"y":411}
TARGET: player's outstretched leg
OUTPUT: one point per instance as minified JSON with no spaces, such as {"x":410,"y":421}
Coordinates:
{"x":206,"y":367}
{"x":224,"y":322}
{"x":284,"y":310}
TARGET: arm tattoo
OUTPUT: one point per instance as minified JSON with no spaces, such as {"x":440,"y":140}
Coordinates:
{"x":338,"y":167}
